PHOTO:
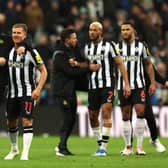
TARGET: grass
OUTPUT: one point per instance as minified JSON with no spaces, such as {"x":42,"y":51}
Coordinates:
{"x":42,"y":155}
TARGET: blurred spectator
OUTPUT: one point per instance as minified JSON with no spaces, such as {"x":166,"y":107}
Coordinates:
{"x":146,"y":4}
{"x":34,"y":16}
{"x":138,"y":16}
{"x":164,"y":15}
{"x":120,"y":17}
{"x":2,"y":23}
{"x":46,"y":53}
{"x":52,"y":18}
{"x":109,"y":30}
{"x":10,"y":15}
{"x":95,"y":9}
{"x":19,"y":18}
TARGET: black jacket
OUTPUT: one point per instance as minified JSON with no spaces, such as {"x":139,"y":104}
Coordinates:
{"x":63,"y":76}
{"x":5,"y":44}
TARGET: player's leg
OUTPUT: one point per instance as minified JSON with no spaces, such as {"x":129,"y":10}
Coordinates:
{"x":107,"y":97}
{"x":139,"y":128}
{"x":126,"y":124}
{"x":139,"y":105}
{"x":127,"y":130}
{"x":27,"y":106}
{"x":94,"y":110}
{"x":107,"y":124}
{"x":12,"y":122}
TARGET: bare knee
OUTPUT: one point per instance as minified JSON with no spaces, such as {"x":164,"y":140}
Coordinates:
{"x":140,"y":108}
{"x":126,"y":113}
{"x":12,"y":123}
{"x":27,"y":122}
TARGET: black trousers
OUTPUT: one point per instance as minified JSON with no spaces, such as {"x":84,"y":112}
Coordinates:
{"x":67,"y":107}
{"x":150,"y":118}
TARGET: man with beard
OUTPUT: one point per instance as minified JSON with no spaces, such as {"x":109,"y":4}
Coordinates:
{"x":64,"y":76}
{"x":102,"y":83}
{"x":134,"y":54}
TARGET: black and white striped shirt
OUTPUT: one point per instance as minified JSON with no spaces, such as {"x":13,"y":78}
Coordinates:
{"x":21,"y":72}
{"x":101,"y":53}
{"x":133,"y":55}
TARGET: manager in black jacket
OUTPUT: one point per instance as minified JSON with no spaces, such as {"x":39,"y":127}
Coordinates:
{"x":63,"y":84}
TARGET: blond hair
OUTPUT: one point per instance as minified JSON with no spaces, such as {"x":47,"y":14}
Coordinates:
{"x":21,"y":25}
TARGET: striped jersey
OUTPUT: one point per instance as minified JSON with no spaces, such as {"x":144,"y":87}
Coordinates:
{"x":133,"y":55}
{"x":22,"y":72}
{"x":101,"y":53}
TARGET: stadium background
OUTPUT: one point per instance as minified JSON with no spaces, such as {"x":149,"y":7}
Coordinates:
{"x":47,"y":18}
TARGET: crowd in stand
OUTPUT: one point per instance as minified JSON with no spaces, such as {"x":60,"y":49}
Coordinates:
{"x":47,"y":18}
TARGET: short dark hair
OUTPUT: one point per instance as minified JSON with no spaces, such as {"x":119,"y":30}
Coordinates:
{"x":129,"y":22}
{"x":21,"y":25}
{"x":66,"y":33}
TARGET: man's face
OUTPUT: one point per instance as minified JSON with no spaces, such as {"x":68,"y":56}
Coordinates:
{"x":72,"y":40}
{"x":127,"y":32}
{"x":18,"y":35}
{"x":94,"y":32}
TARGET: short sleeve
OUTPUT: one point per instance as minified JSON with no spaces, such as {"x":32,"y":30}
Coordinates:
{"x":146,"y":52}
{"x":36,"y":58}
{"x":114,"y":49}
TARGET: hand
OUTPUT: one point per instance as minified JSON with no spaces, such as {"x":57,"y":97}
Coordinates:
{"x":72,"y":62}
{"x":127,"y":90}
{"x":152,"y":89}
{"x":35,"y":94}
{"x":94,"y":67}
{"x":166,"y":84}
{"x":20,"y":50}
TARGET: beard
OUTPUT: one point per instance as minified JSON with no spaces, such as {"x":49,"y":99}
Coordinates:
{"x":95,"y":39}
{"x":127,"y":39}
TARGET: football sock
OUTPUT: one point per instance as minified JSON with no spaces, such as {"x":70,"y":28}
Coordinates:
{"x":105,"y":137}
{"x":127,"y":130}
{"x":139,"y":131}
{"x":13,"y":135}
{"x":27,"y":138}
{"x":96,"y":132}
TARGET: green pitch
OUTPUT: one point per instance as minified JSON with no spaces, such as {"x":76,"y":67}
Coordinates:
{"x":42,"y":155}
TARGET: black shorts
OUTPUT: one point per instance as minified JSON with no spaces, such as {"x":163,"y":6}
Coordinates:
{"x":20,"y":107}
{"x":97,"y":97}
{"x":138,"y":96}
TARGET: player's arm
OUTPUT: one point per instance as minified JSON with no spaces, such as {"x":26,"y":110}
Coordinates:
{"x":149,"y":68}
{"x":150,"y":71}
{"x":43,"y":76}
{"x":158,"y":77}
{"x":121,"y":66}
{"x":84,"y":64}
